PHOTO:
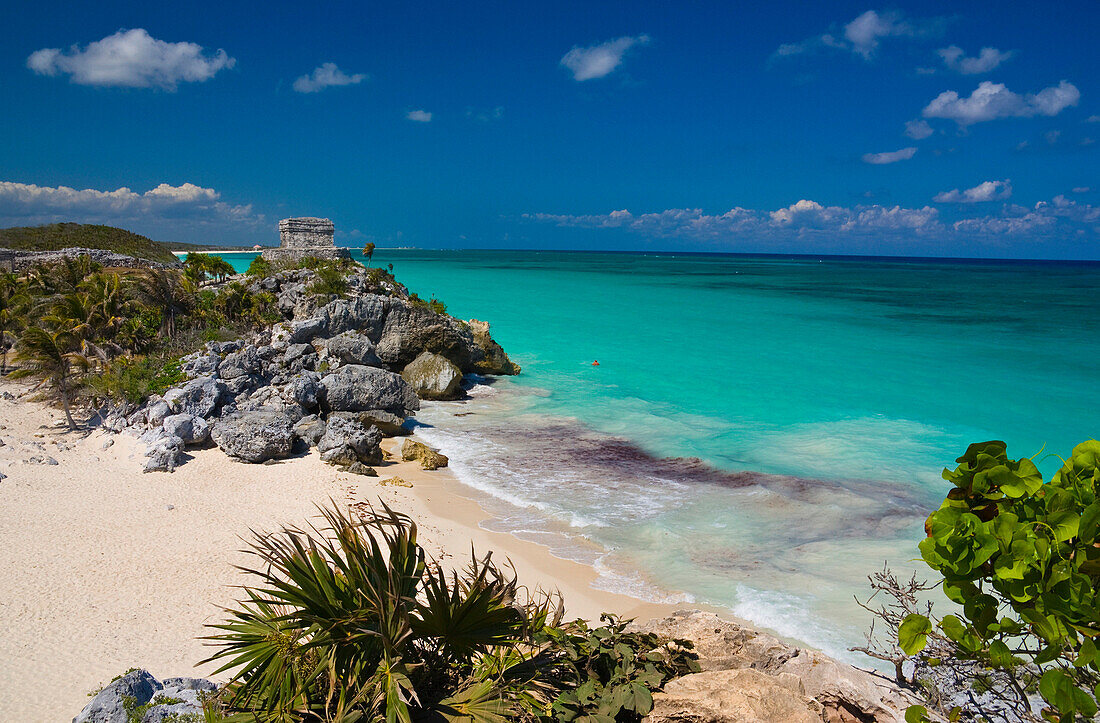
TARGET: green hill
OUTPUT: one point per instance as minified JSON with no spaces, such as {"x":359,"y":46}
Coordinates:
{"x":56,"y":236}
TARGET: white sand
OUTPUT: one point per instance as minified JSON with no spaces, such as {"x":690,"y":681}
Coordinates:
{"x":106,"y":568}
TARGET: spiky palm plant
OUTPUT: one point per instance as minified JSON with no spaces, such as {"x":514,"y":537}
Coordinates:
{"x":349,"y":621}
{"x":54,"y":357}
{"x":13,"y":299}
{"x":166,"y":291}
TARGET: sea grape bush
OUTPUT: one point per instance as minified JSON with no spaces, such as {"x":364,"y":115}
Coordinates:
{"x":1022,"y":558}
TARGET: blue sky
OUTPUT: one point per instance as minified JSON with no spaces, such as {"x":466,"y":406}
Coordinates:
{"x":679,"y":126}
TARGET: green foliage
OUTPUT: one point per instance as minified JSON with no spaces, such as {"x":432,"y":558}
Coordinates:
{"x":1022,"y":558}
{"x":331,"y":281}
{"x":57,"y":236}
{"x":609,"y":673}
{"x":260,"y":268}
{"x":135,"y":378}
{"x":434,"y":304}
{"x":350,"y":621}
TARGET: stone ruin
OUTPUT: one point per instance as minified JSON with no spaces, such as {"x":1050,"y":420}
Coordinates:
{"x":302,"y":237}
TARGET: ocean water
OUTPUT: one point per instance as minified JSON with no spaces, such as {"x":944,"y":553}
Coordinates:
{"x":818,"y":399}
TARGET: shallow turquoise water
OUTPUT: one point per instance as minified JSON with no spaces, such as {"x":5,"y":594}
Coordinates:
{"x":862,"y":378}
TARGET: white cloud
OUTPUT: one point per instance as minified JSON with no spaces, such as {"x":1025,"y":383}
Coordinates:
{"x":485,"y":115}
{"x":326,"y":75}
{"x":596,"y":61}
{"x":131,"y":59}
{"x":1081,"y":189}
{"x":987,"y":191}
{"x":918,"y":129}
{"x":168,"y":210}
{"x":863,"y":35}
{"x":993,"y":100}
{"x":988,"y":58}
{"x":1093,"y":119}
{"x":879,"y":159}
{"x":809,"y":225}
{"x":420,"y":116}
{"x":1052,"y":136}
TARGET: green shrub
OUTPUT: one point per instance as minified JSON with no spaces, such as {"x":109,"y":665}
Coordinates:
{"x":1021,"y":557}
{"x":134,"y":379}
{"x":260,"y":268}
{"x":330,"y":281}
{"x":434,"y":304}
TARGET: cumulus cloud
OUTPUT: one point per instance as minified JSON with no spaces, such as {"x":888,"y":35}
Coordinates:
{"x":485,"y":114}
{"x":863,"y":35}
{"x":419,"y":116}
{"x":987,"y":59}
{"x":918,"y":129}
{"x":131,"y":59}
{"x":326,"y":75}
{"x":169,"y":210}
{"x":808,"y":225}
{"x":1093,"y":119}
{"x":1081,"y":189}
{"x":596,"y":61}
{"x":987,"y":191}
{"x":879,"y":159}
{"x":991,"y":101}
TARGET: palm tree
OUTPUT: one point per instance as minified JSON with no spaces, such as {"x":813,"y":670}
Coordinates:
{"x":13,"y":298}
{"x":368,"y":251}
{"x":220,"y":268}
{"x":51,"y":356}
{"x":167,"y":292}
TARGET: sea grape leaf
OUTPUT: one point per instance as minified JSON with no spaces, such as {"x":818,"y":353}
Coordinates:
{"x":913,"y":633}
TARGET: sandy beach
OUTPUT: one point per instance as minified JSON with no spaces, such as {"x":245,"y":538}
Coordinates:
{"x":107,"y":568}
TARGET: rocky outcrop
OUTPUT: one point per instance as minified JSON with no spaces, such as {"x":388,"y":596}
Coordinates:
{"x":121,"y":701}
{"x":22,"y":260}
{"x":429,"y":459}
{"x":254,"y":436}
{"x":433,"y":377}
{"x":358,"y":388}
{"x":839,"y":692}
{"x":349,"y":358}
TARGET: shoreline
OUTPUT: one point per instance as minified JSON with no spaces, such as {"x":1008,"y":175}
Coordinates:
{"x":109,"y":568}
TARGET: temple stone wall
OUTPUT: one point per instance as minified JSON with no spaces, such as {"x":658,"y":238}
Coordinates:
{"x":301,"y":237}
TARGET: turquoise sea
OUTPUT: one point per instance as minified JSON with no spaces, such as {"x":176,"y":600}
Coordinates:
{"x":820,"y":398}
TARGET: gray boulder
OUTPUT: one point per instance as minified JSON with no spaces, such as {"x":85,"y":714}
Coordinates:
{"x":389,"y":424}
{"x":189,"y":428}
{"x":353,"y":348}
{"x":346,"y":442}
{"x":306,"y":330}
{"x":409,"y":330}
{"x":157,"y":412}
{"x":357,"y":388}
{"x":254,"y":436}
{"x":296,"y":351}
{"x":200,"y":364}
{"x":305,"y":389}
{"x":199,"y":397}
{"x":108,"y":705}
{"x":310,"y":429}
{"x":363,"y":313}
{"x":164,"y":453}
{"x":433,"y":377}
{"x":246,"y":362}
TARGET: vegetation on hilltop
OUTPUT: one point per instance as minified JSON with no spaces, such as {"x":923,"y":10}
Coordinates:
{"x":57,"y":236}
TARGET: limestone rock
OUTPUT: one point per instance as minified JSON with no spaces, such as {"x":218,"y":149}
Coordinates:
{"x":357,"y":388}
{"x":199,"y":397}
{"x":362,"y":314}
{"x":734,"y":696}
{"x":494,"y":360}
{"x":305,"y":389}
{"x":200,"y":364}
{"x":255,"y":436}
{"x":346,"y":442}
{"x":310,"y":429}
{"x":108,"y":707}
{"x":189,"y":428}
{"x":389,"y":424}
{"x":428,"y":458}
{"x":362,"y":469}
{"x":433,"y":377}
{"x":246,"y":362}
{"x":157,"y":411}
{"x":353,"y":348}
{"x":164,"y":453}
{"x":410,"y":330}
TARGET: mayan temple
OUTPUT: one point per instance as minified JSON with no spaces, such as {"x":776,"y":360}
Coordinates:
{"x":307,"y":236}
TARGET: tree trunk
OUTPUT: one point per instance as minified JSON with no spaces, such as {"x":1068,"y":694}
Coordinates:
{"x":65,"y":406}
